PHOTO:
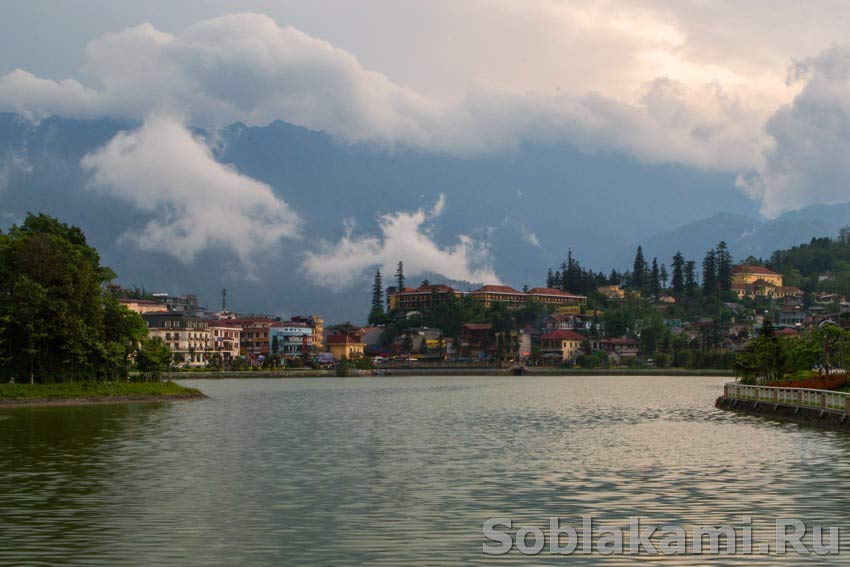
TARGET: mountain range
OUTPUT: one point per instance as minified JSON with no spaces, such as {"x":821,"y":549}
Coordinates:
{"x":528,"y":205}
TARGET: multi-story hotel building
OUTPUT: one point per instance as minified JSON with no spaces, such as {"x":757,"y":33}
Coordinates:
{"x":187,"y":337}
{"x":225,"y":341}
{"x":430,"y":295}
{"x":290,"y":340}
{"x":426,"y":295}
{"x":317,"y":324}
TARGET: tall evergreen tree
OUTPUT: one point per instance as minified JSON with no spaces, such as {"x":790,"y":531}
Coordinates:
{"x":655,"y":279}
{"x":677,"y":283}
{"x":639,"y":269}
{"x":663,"y":276}
{"x":690,"y":278}
{"x":614,"y":278}
{"x":724,"y":267}
{"x":550,"y":279}
{"x":377,"y":315}
{"x":399,"y":276}
{"x":709,"y":274}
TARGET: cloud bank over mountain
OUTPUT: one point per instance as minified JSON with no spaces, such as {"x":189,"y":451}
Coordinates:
{"x":196,"y":201}
{"x":247,"y":68}
{"x":807,"y":163}
{"x":404,"y":236}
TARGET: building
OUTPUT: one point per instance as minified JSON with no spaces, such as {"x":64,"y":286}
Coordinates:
{"x":317,"y":324}
{"x":425,"y":296}
{"x":751,"y":274}
{"x":491,"y":294}
{"x":187,"y":304}
{"x":187,"y":337}
{"x":612,"y":291}
{"x":475,"y":340}
{"x":290,"y":340}
{"x":254,"y":339}
{"x":225,"y":341}
{"x":423,"y":340}
{"x":554,"y":297}
{"x":623,"y":347}
{"x":142,"y":306}
{"x":345,"y":346}
{"x":561,"y":345}
{"x":792,"y":316}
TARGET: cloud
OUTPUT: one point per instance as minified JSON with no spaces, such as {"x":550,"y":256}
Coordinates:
{"x":404,"y":237}
{"x":807,"y":161}
{"x":196,"y":201}
{"x":13,"y":163}
{"x":245,"y":67}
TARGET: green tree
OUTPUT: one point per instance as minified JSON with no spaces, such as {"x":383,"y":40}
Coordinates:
{"x":56,"y":307}
{"x":153,"y":358}
{"x":724,"y":267}
{"x":399,"y":276}
{"x":709,"y":274}
{"x":639,"y":270}
{"x":690,"y":278}
{"x":664,"y":276}
{"x":677,"y":282}
{"x":655,"y":279}
{"x":377,"y":315}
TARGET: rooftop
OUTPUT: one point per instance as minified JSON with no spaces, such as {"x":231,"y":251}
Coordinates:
{"x":753,"y":270}
{"x":562,"y":335}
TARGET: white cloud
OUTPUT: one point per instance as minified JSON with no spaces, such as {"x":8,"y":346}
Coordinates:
{"x":807,"y":161}
{"x":244,"y":67}
{"x":404,"y":237}
{"x":197,"y":202}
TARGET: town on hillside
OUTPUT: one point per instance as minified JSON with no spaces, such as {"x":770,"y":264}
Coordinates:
{"x":649,"y":316}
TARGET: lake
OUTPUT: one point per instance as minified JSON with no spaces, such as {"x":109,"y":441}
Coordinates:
{"x":401,"y":471}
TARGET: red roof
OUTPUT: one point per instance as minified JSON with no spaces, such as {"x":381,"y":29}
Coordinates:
{"x":787,"y":331}
{"x":562,"y":335}
{"x":551,"y":291}
{"x":342,"y":339}
{"x":753,"y":270}
{"x":497,"y":289}
{"x":619,"y":341}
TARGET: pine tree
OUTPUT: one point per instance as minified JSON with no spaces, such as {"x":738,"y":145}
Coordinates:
{"x":663,"y":276}
{"x":677,"y":283}
{"x":709,"y":274}
{"x":690,"y":278}
{"x":550,"y":279}
{"x":639,"y":270}
{"x":614,"y":278}
{"x":399,"y":276}
{"x":376,"y":315}
{"x":724,"y":267}
{"x":654,"y":279}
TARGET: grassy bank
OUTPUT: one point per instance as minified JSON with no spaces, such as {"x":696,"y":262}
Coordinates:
{"x":87,"y":390}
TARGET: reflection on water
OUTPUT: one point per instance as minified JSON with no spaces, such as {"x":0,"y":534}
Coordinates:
{"x":400,"y":471}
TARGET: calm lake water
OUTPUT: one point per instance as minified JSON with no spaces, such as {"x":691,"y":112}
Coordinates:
{"x":401,"y":471}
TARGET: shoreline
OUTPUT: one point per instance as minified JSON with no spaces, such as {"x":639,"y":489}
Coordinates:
{"x":812,"y":417}
{"x":459,"y":371}
{"x":98,"y":400}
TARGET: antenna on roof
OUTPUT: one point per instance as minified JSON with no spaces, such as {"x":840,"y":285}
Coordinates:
{"x":224,"y":300}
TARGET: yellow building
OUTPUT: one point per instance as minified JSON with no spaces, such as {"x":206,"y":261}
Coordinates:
{"x":744,"y":275}
{"x":756,"y":281}
{"x":561,"y":344}
{"x":612,"y":291}
{"x":345,"y":346}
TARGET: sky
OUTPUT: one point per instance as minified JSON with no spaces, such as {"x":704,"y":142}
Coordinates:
{"x":758,"y":89}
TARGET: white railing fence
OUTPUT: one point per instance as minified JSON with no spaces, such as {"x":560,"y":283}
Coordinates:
{"x":798,"y":397}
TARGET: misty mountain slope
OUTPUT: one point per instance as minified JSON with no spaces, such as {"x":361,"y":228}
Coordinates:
{"x":745,"y":236}
{"x":529,"y":205}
